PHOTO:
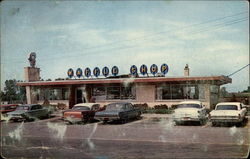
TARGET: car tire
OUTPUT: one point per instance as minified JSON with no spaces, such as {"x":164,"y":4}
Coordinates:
{"x":47,"y":116}
{"x":177,"y":123}
{"x":138,"y":117}
{"x":30,"y":119}
{"x":239,"y":124}
{"x":69,"y":123}
{"x":123,"y":121}
{"x":202,"y":122}
{"x":105,"y":122}
{"x":214,"y":124}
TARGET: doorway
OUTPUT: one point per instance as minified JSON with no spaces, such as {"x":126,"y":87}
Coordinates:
{"x":80,"y":96}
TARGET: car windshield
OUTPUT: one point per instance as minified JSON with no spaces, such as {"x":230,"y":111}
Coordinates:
{"x":114,"y":106}
{"x":189,"y":106}
{"x":22,"y":108}
{"x":80,"y":108}
{"x":226,"y":107}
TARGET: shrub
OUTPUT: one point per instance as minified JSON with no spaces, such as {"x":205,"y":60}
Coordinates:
{"x":174,"y":106}
{"x":142,"y":107}
{"x":161,"y":106}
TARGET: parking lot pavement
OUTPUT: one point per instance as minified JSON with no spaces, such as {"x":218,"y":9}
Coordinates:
{"x":146,"y":119}
{"x":157,"y":116}
{"x":153,"y":136}
{"x":158,"y":136}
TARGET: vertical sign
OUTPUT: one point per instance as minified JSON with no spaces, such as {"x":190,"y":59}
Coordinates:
{"x":105,"y":71}
{"x":143,"y":69}
{"x":87,"y":72}
{"x":96,"y":72}
{"x":70,"y":73}
{"x":115,"y":70}
{"x":154,"y":69}
{"x":79,"y":72}
{"x":164,"y":68}
{"x":133,"y":70}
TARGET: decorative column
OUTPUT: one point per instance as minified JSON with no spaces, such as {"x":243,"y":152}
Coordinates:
{"x":30,"y":94}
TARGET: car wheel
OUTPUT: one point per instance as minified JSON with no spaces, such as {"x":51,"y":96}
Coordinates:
{"x":177,"y":123}
{"x":214,"y":124}
{"x":239,"y":124}
{"x":105,"y":122}
{"x":123,"y":121}
{"x":30,"y":119}
{"x":69,"y":123}
{"x":15,"y":120}
{"x":202,"y":122}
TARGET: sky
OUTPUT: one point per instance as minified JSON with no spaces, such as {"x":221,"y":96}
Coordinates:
{"x":212,"y":37}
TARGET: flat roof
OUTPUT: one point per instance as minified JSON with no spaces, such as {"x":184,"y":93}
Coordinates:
{"x":217,"y":79}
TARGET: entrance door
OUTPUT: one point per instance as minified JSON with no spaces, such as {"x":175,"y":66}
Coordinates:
{"x":79,"y":97}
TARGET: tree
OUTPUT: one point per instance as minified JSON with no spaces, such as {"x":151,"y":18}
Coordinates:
{"x":13,"y":93}
{"x":247,"y":90}
{"x":223,"y":92}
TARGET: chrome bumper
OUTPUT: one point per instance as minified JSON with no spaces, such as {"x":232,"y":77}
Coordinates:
{"x":110,"y":118}
{"x":225,"y":120}
{"x":182,"y":119}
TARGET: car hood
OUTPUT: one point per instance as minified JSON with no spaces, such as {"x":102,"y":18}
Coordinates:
{"x":224,"y":112}
{"x":17,"y":112}
{"x":186,"y":111}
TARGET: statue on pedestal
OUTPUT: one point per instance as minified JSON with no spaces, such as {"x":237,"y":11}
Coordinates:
{"x":32,"y":59}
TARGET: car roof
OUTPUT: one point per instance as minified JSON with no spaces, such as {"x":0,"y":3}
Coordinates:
{"x":190,"y":102}
{"x":229,"y":103}
{"x":85,"y":104}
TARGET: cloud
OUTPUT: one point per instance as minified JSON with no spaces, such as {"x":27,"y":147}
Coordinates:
{"x":186,"y":35}
{"x":223,"y":46}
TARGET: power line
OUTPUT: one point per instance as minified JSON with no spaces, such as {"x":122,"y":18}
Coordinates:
{"x":238,"y":70}
{"x":134,"y":46}
{"x":161,"y":33}
{"x":222,"y":24}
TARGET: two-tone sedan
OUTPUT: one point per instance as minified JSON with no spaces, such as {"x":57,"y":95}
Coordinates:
{"x":28,"y":112}
{"x":190,"y":111}
{"x":81,"y":113}
{"x":5,"y":109}
{"x":228,"y":112}
{"x":122,"y":111}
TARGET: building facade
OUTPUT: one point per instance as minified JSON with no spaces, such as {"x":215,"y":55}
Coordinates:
{"x":151,"y":90}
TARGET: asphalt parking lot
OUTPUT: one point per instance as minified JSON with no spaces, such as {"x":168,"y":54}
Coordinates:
{"x":153,"y":136}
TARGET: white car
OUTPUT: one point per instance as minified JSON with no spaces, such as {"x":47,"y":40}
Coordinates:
{"x":190,"y":111}
{"x":228,"y":112}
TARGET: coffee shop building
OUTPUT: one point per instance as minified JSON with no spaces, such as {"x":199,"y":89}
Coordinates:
{"x":154,"y":88}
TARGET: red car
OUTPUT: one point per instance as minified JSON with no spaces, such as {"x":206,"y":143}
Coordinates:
{"x":7,"y":108}
{"x":81,"y":113}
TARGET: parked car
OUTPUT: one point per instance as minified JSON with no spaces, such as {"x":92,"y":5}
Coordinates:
{"x":192,"y":111}
{"x":7,"y":108}
{"x":28,"y":112}
{"x":81,"y":113}
{"x":228,"y":112}
{"x":118,"y":111}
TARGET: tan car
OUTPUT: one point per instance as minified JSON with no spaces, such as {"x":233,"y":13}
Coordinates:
{"x":81,"y":113}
